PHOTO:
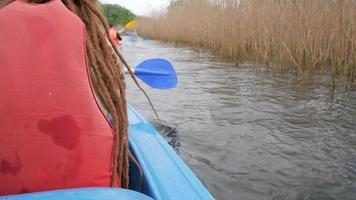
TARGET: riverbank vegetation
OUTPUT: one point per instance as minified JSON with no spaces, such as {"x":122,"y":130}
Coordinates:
{"x":305,"y":36}
{"x":117,"y":15}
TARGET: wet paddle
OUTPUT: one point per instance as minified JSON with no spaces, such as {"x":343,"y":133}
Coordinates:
{"x":157,"y":73}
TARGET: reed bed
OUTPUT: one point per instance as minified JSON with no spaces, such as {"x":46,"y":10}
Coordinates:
{"x":305,"y":36}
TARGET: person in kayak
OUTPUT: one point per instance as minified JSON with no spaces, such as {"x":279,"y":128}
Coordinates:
{"x":53,"y":134}
{"x":115,"y":37}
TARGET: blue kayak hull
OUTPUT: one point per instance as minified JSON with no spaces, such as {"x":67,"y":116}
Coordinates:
{"x":81,"y":194}
{"x":166,"y":176}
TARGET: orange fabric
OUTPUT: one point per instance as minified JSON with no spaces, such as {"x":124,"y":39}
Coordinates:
{"x":53,"y":134}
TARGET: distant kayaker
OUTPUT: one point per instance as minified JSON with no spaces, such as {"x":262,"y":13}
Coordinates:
{"x":115,"y":37}
{"x":53,"y":134}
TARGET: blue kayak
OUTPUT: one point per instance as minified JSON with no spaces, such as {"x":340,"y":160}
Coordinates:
{"x":166,"y":176}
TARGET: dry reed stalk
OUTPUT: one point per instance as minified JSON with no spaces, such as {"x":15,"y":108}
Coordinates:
{"x":319,"y":34}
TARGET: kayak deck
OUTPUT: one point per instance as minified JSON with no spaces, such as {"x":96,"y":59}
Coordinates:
{"x":81,"y":194}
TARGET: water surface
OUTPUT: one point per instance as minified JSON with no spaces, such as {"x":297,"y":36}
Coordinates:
{"x":251,"y":134}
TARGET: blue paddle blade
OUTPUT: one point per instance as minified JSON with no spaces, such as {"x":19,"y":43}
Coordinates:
{"x":157,"y":73}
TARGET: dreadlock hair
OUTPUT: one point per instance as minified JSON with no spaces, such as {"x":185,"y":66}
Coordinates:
{"x":106,"y":72}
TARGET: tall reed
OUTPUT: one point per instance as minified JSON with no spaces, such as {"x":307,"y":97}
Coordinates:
{"x":305,"y":36}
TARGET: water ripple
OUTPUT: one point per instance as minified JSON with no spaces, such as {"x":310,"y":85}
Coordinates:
{"x":255,"y":135}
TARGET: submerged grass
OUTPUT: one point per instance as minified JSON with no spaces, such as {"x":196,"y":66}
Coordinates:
{"x":305,"y":36}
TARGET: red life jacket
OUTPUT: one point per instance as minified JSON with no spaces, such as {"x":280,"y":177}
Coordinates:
{"x":53,"y":134}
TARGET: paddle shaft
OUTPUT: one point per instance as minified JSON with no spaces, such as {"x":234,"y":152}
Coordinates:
{"x":132,"y":75}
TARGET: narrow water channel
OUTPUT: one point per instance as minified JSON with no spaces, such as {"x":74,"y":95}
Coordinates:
{"x":250,"y":134}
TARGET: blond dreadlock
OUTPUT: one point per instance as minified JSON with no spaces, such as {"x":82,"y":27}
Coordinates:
{"x":107,"y":78}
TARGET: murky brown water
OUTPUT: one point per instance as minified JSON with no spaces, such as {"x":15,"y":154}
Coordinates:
{"x":255,"y":135}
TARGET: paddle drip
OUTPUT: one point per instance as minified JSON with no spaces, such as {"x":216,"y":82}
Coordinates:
{"x":169,"y":132}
